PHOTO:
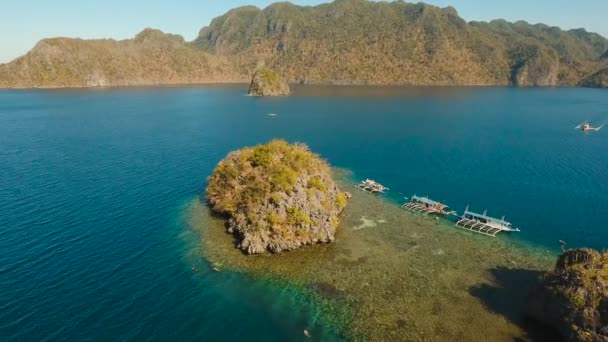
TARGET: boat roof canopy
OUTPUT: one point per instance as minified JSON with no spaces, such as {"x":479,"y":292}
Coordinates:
{"x":428,"y":201}
{"x":373,"y":183}
{"x":489,"y":218}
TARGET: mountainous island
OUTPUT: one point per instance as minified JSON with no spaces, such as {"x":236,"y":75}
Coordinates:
{"x":276,"y":197}
{"x":344,"y":42}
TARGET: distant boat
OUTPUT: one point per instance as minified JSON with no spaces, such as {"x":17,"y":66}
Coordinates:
{"x":484,"y":224}
{"x":586,"y":127}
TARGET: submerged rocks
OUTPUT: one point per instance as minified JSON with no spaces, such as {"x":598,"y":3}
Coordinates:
{"x":277,"y":197}
{"x":574,"y":297}
{"x":266,"y":82}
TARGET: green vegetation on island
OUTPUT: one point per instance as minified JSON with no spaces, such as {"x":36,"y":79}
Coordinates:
{"x":276,"y":197}
{"x":344,"y":42}
{"x":151,"y":58}
{"x":365,"y":42}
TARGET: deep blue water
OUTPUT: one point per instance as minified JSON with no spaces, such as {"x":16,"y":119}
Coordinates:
{"x":92,"y":184}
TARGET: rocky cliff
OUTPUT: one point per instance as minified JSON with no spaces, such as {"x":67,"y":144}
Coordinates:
{"x":276,"y":197}
{"x":574,"y":297}
{"x":266,"y":82}
{"x":344,"y":42}
{"x":538,"y":67}
{"x":597,"y":80}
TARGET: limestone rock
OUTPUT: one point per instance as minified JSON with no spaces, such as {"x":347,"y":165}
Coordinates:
{"x":574,"y":297}
{"x":596,"y":80}
{"x":539,"y":68}
{"x":276,"y":197}
{"x":266,"y":82}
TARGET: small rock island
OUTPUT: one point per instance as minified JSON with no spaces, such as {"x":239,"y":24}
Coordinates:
{"x":267,"y":82}
{"x":277,"y":197}
{"x":573,"y":298}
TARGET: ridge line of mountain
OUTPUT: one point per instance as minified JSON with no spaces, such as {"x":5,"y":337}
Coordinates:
{"x":343,"y":42}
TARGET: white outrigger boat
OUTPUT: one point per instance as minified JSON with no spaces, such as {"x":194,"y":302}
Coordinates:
{"x":427,"y":206}
{"x":371,"y":186}
{"x":586,"y":127}
{"x":484,"y":224}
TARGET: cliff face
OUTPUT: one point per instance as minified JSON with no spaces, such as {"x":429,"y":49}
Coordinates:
{"x":344,"y":42}
{"x":574,"y":297}
{"x":266,"y":82}
{"x":538,"y":67}
{"x":277,"y":197}
{"x":597,"y":80}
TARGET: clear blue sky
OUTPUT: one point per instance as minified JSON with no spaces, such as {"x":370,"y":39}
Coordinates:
{"x":23,"y":23}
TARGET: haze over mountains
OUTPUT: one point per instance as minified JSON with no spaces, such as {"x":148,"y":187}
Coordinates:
{"x":344,"y":42}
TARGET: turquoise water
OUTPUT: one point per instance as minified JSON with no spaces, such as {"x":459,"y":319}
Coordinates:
{"x":93,"y":184}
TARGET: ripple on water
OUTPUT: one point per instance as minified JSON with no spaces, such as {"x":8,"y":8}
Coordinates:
{"x":394,"y":276}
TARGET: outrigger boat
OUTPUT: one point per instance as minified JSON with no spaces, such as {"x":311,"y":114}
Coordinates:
{"x":586,"y":127}
{"x":484,"y":224}
{"x":371,"y":186}
{"x":426,"y":206}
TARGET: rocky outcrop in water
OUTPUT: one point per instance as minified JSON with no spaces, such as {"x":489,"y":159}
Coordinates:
{"x":574,"y":297}
{"x":277,"y":197}
{"x":266,"y":82}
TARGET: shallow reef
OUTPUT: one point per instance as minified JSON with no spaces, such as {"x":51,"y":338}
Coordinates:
{"x":394,"y":276}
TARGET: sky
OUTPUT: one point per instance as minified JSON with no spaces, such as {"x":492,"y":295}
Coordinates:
{"x":23,"y":23}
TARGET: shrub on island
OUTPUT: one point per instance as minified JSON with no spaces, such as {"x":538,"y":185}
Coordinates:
{"x":277,"y":197}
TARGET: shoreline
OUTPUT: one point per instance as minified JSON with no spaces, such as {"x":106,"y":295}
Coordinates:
{"x":244,"y":84}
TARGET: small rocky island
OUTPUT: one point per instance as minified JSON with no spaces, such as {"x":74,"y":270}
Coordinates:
{"x":573,"y":298}
{"x":267,"y":82}
{"x":277,"y":197}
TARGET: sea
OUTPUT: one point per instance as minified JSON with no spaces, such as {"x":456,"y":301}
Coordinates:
{"x":97,"y":186}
